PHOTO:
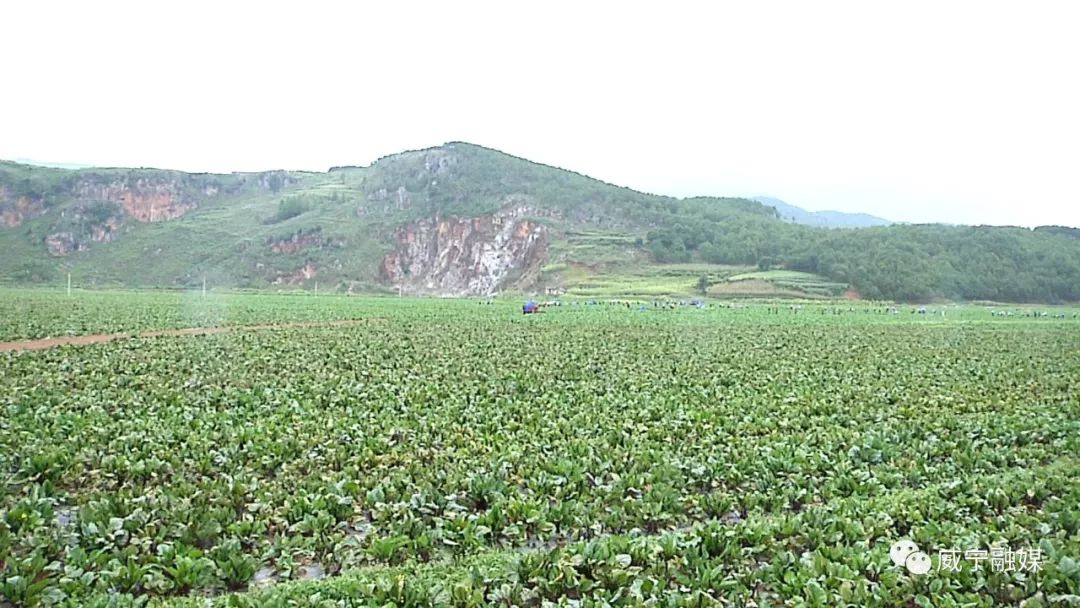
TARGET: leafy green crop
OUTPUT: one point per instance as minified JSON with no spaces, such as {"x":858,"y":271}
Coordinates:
{"x":451,"y":453}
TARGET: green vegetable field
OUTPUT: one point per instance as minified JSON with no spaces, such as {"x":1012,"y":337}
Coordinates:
{"x":458,"y":453}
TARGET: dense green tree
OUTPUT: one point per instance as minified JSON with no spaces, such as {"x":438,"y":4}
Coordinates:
{"x":910,"y":263}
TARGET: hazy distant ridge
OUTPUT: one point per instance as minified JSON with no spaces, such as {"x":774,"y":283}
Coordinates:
{"x":821,"y":219}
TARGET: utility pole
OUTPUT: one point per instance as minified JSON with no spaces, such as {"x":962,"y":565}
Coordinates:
{"x":204,"y":286}
{"x":69,"y":284}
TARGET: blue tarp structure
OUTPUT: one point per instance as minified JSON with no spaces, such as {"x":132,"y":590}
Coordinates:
{"x":529,"y":307}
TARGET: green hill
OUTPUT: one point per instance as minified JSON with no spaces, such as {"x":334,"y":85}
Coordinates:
{"x":461,"y":219}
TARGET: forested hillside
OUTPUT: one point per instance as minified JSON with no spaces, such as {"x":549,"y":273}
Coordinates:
{"x":461,"y":219}
{"x":899,"y":262}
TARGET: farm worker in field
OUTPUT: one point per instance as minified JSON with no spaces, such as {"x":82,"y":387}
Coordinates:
{"x":530,"y":307}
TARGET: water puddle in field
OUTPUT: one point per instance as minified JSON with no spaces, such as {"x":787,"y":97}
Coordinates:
{"x":264,"y":577}
{"x":535,"y":544}
{"x":731,"y":518}
{"x":267,"y":575}
{"x":65,"y":516}
{"x":67,"y":522}
{"x":359,"y":532}
{"x":312,"y":572}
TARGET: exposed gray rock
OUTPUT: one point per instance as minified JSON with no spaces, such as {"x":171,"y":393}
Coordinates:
{"x":467,"y":256}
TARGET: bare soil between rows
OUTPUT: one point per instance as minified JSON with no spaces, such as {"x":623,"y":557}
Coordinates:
{"x":44,"y":343}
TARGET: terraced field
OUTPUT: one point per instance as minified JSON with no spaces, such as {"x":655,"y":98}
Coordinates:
{"x":459,"y":453}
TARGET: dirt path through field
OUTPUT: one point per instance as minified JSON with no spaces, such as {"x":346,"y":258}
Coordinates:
{"x":43,"y":343}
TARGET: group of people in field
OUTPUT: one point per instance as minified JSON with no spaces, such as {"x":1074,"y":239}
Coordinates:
{"x":534,"y":307}
{"x":1033,"y":314}
{"x":840,"y":310}
{"x":655,"y":304}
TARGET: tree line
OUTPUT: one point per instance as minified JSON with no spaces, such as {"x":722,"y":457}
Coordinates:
{"x":900,"y":262}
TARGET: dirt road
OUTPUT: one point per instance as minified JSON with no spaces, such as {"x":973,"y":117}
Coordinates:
{"x":43,"y":343}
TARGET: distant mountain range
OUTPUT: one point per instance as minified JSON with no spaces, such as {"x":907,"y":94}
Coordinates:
{"x":461,"y":219}
{"x":821,"y":219}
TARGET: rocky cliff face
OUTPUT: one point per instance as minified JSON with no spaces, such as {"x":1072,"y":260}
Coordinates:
{"x":85,"y":223}
{"x":302,"y":240}
{"x":16,"y":210}
{"x":467,"y":256}
{"x":298,"y":276}
{"x":97,"y":206}
{"x":67,"y":241}
{"x":103,"y":206}
{"x":145,"y":199}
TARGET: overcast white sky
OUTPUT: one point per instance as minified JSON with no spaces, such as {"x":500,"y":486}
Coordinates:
{"x":960,"y":112}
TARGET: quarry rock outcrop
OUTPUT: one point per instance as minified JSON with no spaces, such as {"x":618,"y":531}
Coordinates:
{"x":460,"y":256}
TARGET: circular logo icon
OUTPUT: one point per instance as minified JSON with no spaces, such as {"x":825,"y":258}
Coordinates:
{"x":918,"y":563}
{"x":900,"y":551}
